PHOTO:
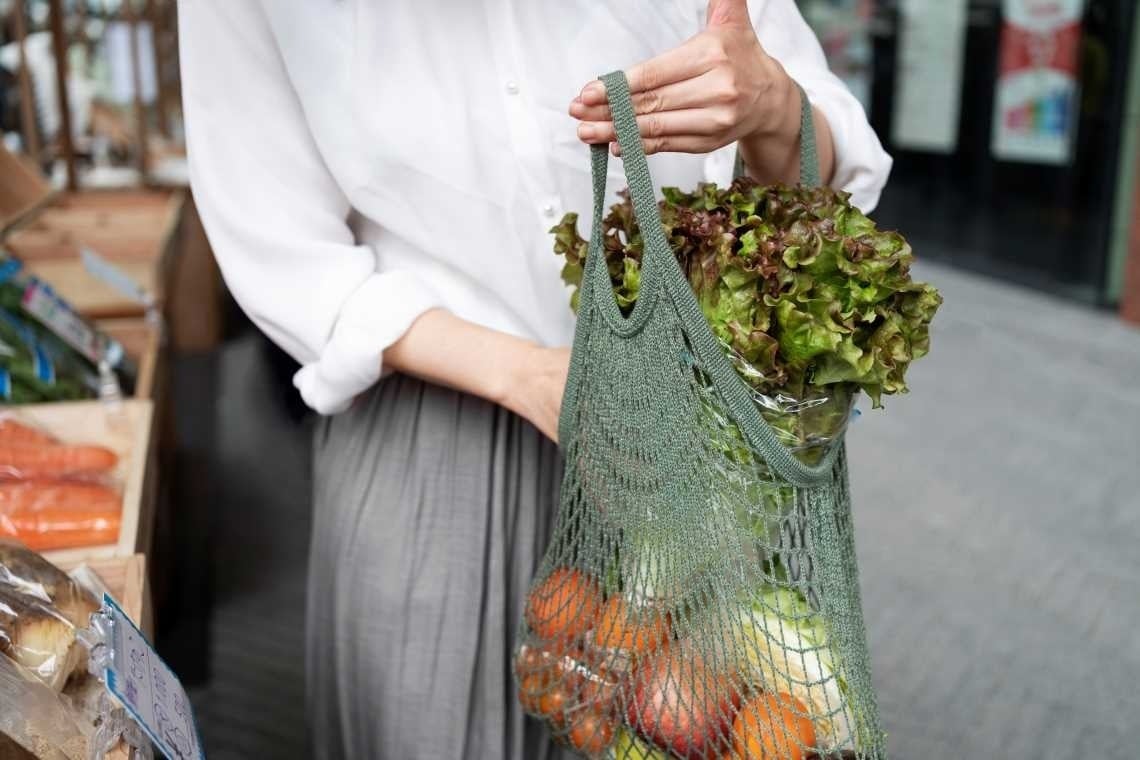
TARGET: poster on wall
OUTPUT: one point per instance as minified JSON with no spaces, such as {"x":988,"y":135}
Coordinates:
{"x":1035,"y":105}
{"x":928,"y":84}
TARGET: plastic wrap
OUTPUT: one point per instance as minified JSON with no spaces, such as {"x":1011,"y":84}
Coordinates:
{"x":37,"y":720}
{"x":49,"y":706}
{"x":55,"y":495}
{"x":41,"y":609}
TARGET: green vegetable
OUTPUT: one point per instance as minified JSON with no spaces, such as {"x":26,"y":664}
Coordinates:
{"x":811,"y":302}
{"x":629,"y":746}
{"x":783,"y":646}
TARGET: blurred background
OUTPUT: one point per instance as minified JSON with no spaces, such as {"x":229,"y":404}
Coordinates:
{"x":997,"y":505}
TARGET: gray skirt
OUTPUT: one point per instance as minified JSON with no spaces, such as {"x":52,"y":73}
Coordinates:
{"x":431,"y":512}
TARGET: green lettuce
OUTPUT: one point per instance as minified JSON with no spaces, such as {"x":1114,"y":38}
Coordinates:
{"x":810,"y":300}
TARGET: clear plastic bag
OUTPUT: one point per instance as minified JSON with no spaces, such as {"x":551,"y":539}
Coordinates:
{"x":36,"y":719}
{"x":55,"y":495}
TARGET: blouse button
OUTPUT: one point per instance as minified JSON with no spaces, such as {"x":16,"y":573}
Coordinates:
{"x":548,"y":210}
{"x":512,"y":87}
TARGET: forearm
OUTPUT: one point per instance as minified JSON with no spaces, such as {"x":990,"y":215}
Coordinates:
{"x":443,"y":349}
{"x":774,"y":156}
{"x":517,"y":374}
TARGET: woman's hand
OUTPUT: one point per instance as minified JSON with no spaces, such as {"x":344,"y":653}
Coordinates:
{"x":717,"y":88}
{"x":535,"y":393}
{"x":520,"y":375}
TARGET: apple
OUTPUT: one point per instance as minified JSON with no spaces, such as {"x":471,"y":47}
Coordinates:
{"x":682,"y":705}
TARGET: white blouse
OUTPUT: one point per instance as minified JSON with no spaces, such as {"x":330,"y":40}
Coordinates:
{"x":358,"y":162}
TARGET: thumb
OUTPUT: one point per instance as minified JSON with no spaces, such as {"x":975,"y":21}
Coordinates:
{"x":727,"y":13}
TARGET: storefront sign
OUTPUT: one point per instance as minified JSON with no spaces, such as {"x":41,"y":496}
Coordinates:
{"x":928,"y":89}
{"x":1035,"y":109}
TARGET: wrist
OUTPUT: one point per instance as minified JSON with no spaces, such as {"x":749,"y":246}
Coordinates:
{"x":519,"y":364}
{"x":771,"y":150}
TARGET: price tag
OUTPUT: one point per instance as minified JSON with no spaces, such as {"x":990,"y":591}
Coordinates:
{"x":148,"y":688}
{"x":100,"y":268}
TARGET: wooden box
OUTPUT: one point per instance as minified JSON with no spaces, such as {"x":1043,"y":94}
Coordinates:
{"x":142,"y":340}
{"x":126,"y":429}
{"x":134,"y":230}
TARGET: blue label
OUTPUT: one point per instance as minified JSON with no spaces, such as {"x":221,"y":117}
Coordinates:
{"x":5,"y":385}
{"x":9,"y":269}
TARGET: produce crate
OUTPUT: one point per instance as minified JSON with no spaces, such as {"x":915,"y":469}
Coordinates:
{"x":22,"y":189}
{"x":133,"y":230}
{"x":126,"y":580}
{"x":142,"y":340}
{"x":126,"y":429}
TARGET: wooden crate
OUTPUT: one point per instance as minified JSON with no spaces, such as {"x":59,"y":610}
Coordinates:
{"x":127,"y":430}
{"x":134,"y":230}
{"x":22,"y":189}
{"x":126,"y":580}
{"x":142,"y":340}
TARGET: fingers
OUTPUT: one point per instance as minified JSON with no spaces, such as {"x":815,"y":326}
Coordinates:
{"x":699,"y":91}
{"x":727,"y":13}
{"x":701,"y":122}
{"x":689,"y":60}
{"x":673,"y":144}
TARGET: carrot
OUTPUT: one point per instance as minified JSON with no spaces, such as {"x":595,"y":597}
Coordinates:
{"x":14,"y":432}
{"x":54,"y":460}
{"x":49,"y":514}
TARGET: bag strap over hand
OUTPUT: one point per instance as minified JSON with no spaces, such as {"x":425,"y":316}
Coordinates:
{"x":809,"y":155}
{"x":659,"y":270}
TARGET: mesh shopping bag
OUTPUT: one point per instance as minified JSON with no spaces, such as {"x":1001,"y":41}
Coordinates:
{"x":700,"y":595}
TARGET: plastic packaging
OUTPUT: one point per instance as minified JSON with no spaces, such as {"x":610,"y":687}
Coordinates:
{"x":48,"y":351}
{"x":49,"y":705}
{"x":37,"y":720}
{"x":55,"y":495}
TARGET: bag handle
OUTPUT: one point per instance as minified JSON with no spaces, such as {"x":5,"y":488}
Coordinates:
{"x":659,"y":270}
{"x":658,"y":253}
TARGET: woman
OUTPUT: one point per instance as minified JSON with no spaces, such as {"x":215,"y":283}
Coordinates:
{"x":378,"y":180}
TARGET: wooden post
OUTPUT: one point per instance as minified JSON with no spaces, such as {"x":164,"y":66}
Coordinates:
{"x":155,"y":13}
{"x":136,"y":80}
{"x":28,"y":126}
{"x":59,"y":48}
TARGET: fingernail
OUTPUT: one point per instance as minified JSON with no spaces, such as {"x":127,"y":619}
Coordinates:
{"x":615,"y":149}
{"x":586,"y":132}
{"x":594,"y":91}
{"x":577,"y":107}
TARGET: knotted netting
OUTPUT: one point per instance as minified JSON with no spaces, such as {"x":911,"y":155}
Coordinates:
{"x":700,"y":596}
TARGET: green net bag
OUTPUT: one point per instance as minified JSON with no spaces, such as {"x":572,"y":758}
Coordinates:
{"x":700,"y":596}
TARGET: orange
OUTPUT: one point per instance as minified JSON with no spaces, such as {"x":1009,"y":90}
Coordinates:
{"x":621,"y":626}
{"x":772,"y":727}
{"x":563,"y":606}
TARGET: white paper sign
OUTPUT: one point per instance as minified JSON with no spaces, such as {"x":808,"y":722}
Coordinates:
{"x":149,"y":690}
{"x":928,"y":86}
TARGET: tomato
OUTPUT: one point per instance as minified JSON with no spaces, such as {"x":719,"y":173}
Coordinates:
{"x":638,"y":629}
{"x":531,"y":688}
{"x":772,"y":726}
{"x":592,"y":733}
{"x":563,"y":606}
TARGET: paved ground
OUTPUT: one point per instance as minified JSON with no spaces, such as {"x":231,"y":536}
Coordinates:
{"x":998,"y":511}
{"x":998,"y":518}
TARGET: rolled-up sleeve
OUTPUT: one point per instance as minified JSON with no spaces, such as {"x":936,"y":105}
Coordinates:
{"x":275,"y":217}
{"x":861,"y":164}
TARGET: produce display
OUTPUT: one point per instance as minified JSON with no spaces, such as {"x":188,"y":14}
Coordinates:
{"x":55,"y":495}
{"x":810,"y":301}
{"x":48,"y":352}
